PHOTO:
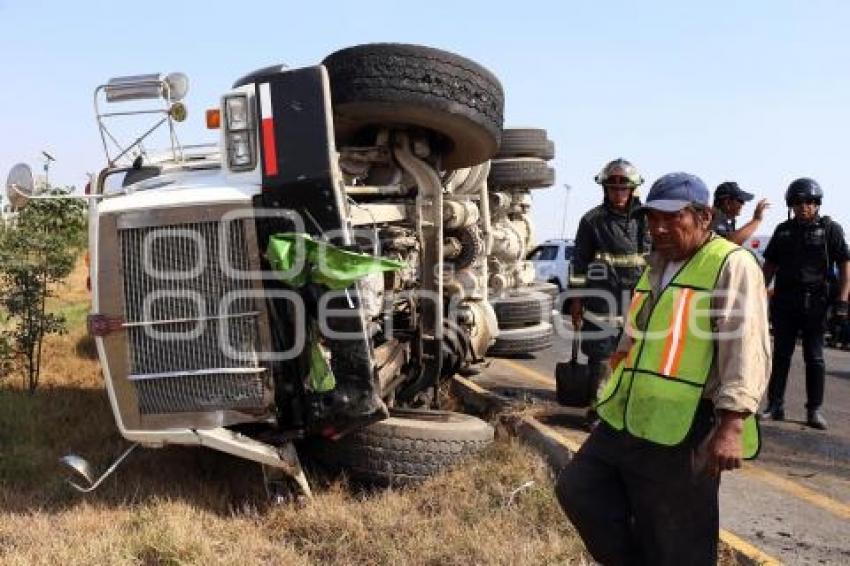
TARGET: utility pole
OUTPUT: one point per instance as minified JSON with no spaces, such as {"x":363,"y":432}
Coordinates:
{"x":567,"y":189}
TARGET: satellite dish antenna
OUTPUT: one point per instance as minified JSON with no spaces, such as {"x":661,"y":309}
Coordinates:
{"x":20,"y":185}
{"x":178,"y":86}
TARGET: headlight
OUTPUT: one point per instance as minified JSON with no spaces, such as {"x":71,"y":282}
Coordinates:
{"x":240,"y":149}
{"x":237,"y":112}
{"x":239,"y":133}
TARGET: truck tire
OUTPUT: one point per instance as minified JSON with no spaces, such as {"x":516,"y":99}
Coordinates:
{"x":523,"y":172}
{"x":384,"y":84}
{"x":522,"y":340}
{"x":525,"y":142}
{"x":522,"y":308}
{"x":408,"y":447}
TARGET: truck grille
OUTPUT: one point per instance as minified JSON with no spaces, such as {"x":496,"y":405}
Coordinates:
{"x":173,"y":287}
{"x":193,"y":393}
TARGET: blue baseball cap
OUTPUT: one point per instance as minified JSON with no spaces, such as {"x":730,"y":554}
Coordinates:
{"x":675,"y":191}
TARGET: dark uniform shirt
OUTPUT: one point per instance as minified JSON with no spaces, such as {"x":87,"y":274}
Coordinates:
{"x":609,"y":255}
{"x":805,"y":254}
{"x":721,"y":224}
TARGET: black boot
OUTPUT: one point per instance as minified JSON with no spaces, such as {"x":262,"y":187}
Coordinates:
{"x":815,"y":419}
{"x":775,"y":411}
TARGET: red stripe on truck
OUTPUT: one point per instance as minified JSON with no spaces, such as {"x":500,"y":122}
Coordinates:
{"x":269,"y":147}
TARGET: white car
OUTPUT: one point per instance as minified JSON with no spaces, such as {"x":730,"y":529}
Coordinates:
{"x":551,"y":261}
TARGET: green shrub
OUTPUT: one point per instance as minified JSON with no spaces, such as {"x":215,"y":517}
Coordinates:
{"x":37,"y":250}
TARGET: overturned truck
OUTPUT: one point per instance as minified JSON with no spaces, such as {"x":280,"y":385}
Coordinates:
{"x":317,"y":274}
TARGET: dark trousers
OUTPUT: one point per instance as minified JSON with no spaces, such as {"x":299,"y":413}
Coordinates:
{"x":598,"y":344}
{"x":634,"y":502}
{"x":787,"y":325}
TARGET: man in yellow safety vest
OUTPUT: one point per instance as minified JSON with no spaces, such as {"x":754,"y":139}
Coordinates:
{"x":688,"y":377}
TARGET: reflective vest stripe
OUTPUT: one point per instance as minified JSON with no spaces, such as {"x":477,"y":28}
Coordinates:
{"x":621,"y":260}
{"x":675,"y":344}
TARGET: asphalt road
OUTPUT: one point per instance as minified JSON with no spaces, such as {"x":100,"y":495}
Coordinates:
{"x":793,"y":502}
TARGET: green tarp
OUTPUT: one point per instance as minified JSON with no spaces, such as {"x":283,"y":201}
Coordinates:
{"x":298,"y":259}
{"x":321,"y":379}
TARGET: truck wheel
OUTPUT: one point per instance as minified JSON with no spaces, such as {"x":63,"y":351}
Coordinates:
{"x":521,"y":308}
{"x":408,"y":447}
{"x":523,"y":172}
{"x":525,"y":142}
{"x":522,"y":340}
{"x":391,"y":83}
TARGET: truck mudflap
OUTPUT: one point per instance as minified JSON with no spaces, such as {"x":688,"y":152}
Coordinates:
{"x":299,"y":175}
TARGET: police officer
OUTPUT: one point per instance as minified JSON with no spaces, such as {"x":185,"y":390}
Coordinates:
{"x":729,"y":198}
{"x":610,"y":246}
{"x":801,"y":254}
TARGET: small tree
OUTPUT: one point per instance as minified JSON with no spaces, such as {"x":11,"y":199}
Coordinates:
{"x":37,"y":250}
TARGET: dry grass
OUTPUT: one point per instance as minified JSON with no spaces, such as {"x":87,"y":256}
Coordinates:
{"x":190,"y":506}
{"x":185,"y":505}
{"x":195,"y":506}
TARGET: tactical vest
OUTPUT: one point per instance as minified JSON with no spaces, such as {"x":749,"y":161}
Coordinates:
{"x":654,"y":393}
{"x":806,"y":256}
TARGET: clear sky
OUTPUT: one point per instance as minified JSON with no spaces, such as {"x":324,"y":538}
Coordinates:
{"x":757,"y":92}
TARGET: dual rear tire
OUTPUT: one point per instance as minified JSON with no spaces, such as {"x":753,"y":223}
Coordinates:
{"x":524,"y":316}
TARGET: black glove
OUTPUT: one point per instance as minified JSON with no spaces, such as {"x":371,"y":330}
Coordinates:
{"x":840,"y":310}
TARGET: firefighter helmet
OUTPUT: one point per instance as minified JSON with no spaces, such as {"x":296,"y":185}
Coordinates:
{"x":619,"y":172}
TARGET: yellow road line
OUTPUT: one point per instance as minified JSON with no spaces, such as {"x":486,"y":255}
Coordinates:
{"x":800,"y":491}
{"x":756,"y":555}
{"x":530,"y":373}
{"x":793,"y":488}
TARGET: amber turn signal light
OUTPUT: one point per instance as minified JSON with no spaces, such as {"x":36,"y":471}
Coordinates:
{"x":213,"y":118}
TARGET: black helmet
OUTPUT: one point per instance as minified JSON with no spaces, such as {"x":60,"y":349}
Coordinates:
{"x":803,"y":188}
